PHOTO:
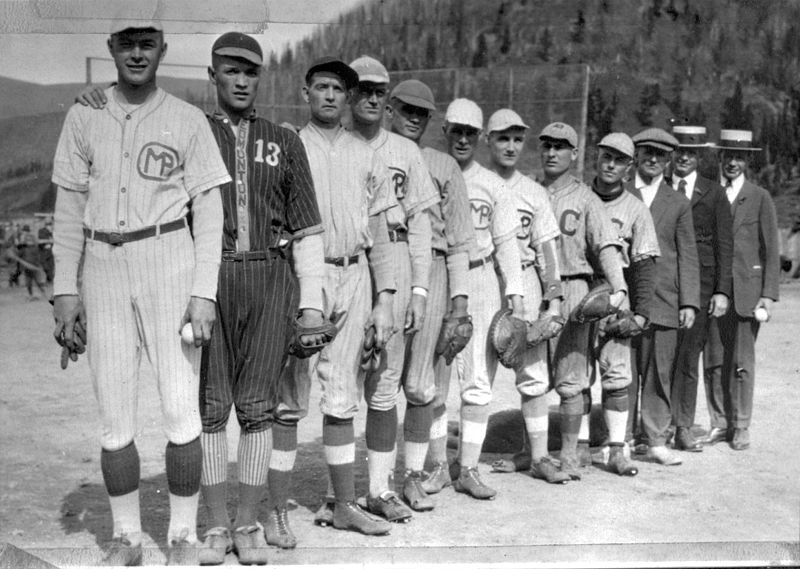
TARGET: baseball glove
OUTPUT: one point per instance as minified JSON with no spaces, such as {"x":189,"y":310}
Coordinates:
{"x":622,"y":325}
{"x":595,"y":306}
{"x":453,"y":337}
{"x":544,"y":328}
{"x":509,"y":337}
{"x":300,"y":350}
{"x":370,"y":352}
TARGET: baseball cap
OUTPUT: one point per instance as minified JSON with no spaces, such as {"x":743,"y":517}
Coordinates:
{"x":504,"y":119}
{"x":618,"y":141}
{"x":370,"y":70}
{"x":656,"y":138}
{"x":464,"y":111}
{"x":336,"y":66}
{"x":560,"y":131}
{"x":691,"y":136}
{"x":414,"y":92}
{"x":237,"y":44}
{"x":120,"y":25}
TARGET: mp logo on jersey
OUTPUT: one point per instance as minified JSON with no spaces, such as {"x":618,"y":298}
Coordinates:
{"x":481,"y":213}
{"x":156,"y":161}
{"x":525,"y":220}
{"x":399,"y":181}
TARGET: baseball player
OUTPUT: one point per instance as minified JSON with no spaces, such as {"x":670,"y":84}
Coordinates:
{"x":354,"y":196}
{"x":537,"y":240}
{"x":426,"y":373}
{"x":589,"y":251}
{"x":410,"y":233}
{"x":730,"y":364}
{"x":640,"y":248}
{"x":126,"y":177}
{"x":496,"y":225}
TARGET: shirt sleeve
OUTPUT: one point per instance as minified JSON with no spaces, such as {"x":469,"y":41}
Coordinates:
{"x":645,"y":239}
{"x":505,"y":221}
{"x":302,"y":210}
{"x":207,"y":223}
{"x":459,"y":231}
{"x":381,"y":196}
{"x":203,"y":167}
{"x":68,"y":239}
{"x":419,"y":248}
{"x":545,"y":226}
{"x":422,"y":192}
{"x":72,"y":158}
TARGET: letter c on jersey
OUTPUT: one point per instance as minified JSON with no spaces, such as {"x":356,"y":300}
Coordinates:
{"x":567,"y":227}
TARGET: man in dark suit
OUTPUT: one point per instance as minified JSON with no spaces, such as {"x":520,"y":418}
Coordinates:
{"x":677,"y":297}
{"x":713,"y":235}
{"x":730,"y":353}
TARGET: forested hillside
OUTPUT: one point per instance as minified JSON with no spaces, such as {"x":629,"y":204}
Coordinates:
{"x":724,"y":63}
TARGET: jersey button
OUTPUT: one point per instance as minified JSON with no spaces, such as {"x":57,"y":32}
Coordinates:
{"x":127,"y":117}
{"x":126,"y":154}
{"x":122,"y":223}
{"x":123,"y":190}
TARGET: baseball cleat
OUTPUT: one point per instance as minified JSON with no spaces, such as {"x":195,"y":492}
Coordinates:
{"x":544,"y":469}
{"x":120,"y":552}
{"x":570,"y":465}
{"x":349,"y":516}
{"x":278,"y":531}
{"x":519,"y":462}
{"x":438,"y":479}
{"x":469,"y":482}
{"x":414,"y":494}
{"x":388,"y":506}
{"x":324,"y":516}
{"x":619,"y":463}
{"x":181,"y":551}
{"x":216,"y":545}
{"x":250,"y":545}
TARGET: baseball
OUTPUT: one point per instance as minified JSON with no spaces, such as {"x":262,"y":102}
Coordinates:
{"x":187,"y":334}
{"x":761,"y":314}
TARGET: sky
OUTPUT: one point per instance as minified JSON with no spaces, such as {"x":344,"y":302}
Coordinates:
{"x":48,"y":58}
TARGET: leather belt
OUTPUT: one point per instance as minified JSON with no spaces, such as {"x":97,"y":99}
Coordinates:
{"x":528,"y":264}
{"x":342,"y":261}
{"x":117,"y":238}
{"x":480,"y":262}
{"x":398,"y":236}
{"x":249,"y":255}
{"x":586,"y":278}
{"x":438,"y":253}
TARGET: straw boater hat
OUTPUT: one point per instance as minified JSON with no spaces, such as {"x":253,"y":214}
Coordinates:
{"x":691,"y":136}
{"x":736,"y":140}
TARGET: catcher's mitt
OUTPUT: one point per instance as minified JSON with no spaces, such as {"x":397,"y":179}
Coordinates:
{"x":622,"y":325}
{"x":596,"y":305}
{"x":544,"y":328}
{"x":300,"y":350}
{"x":453,"y":337}
{"x":509,"y":337}
{"x":370,"y":352}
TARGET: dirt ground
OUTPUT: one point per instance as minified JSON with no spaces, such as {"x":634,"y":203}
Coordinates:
{"x":720,"y":507}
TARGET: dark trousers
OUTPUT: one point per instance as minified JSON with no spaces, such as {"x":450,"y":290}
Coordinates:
{"x":655,"y":356}
{"x":684,"y":382}
{"x":729,"y":361}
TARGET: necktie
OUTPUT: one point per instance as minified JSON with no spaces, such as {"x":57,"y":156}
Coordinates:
{"x":682,"y":188}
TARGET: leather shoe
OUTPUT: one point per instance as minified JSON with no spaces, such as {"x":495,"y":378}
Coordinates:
{"x":684,"y":440}
{"x":741,"y":439}
{"x":716,"y":435}
{"x":663,"y":455}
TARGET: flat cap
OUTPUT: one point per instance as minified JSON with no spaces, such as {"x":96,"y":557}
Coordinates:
{"x":656,"y":138}
{"x":560,"y":131}
{"x":618,"y":141}
{"x":414,"y":92}
{"x":335,"y":66}
{"x":504,"y":119}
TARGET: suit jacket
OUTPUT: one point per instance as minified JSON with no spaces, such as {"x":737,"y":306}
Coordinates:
{"x":713,"y":232}
{"x":756,"y":260}
{"x":677,"y":269}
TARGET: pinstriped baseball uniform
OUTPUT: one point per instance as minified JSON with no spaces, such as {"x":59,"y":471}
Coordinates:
{"x":537,"y":225}
{"x":496,"y":223}
{"x":272,"y":194}
{"x":139,"y":168}
{"x":415,"y":193}
{"x":452,"y":234}
{"x":351,"y":184}
{"x":637,"y":234}
{"x":585,"y":230}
